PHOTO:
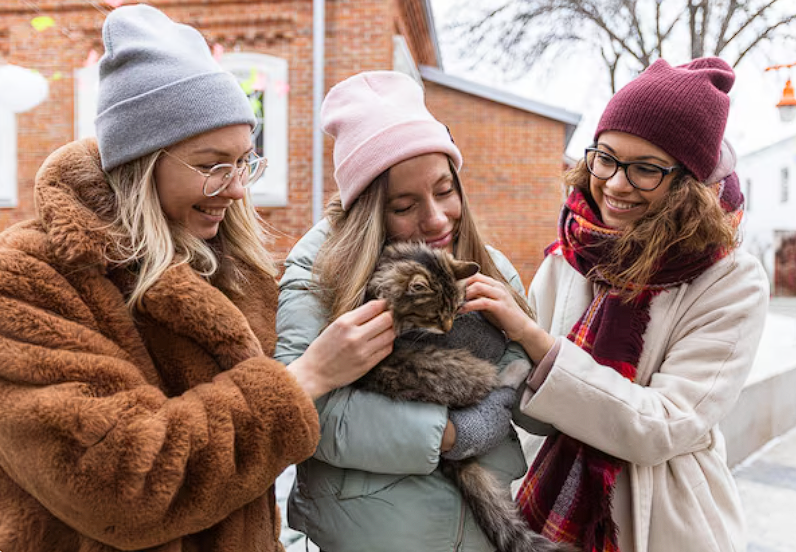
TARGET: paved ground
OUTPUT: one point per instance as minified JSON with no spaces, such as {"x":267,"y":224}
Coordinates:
{"x":767,"y":483}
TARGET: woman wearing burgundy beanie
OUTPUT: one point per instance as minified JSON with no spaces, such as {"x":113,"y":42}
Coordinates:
{"x":373,"y":483}
{"x":647,"y":322}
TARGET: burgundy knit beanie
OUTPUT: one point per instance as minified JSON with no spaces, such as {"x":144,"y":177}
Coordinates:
{"x":682,"y":110}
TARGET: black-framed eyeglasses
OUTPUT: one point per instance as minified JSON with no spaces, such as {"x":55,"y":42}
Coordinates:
{"x":642,"y":176}
{"x":219,"y":177}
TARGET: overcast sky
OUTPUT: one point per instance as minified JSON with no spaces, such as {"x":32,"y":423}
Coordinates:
{"x":582,"y":86}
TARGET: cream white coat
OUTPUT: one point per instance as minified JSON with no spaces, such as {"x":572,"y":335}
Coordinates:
{"x":698,"y":350}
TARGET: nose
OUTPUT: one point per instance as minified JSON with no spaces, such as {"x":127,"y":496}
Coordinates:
{"x":435,"y":218}
{"x":619,"y":181}
{"x":234,"y":189}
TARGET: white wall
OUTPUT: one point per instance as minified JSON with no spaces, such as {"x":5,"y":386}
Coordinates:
{"x":761,"y":176}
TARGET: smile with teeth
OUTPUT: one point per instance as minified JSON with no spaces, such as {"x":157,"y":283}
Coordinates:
{"x":209,"y":211}
{"x":621,"y":205}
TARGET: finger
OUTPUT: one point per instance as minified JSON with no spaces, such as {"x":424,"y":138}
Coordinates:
{"x":481,"y":289}
{"x":380,"y":347}
{"x":365,"y":312}
{"x":479,"y":304}
{"x":377,"y":325}
{"x":478,"y":277}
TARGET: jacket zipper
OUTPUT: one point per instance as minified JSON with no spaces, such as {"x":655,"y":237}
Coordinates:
{"x":460,"y":535}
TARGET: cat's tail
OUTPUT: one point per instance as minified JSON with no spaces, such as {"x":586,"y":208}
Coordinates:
{"x":494,"y":511}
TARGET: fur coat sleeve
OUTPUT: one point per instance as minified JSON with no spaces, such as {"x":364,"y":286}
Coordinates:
{"x":135,"y":433}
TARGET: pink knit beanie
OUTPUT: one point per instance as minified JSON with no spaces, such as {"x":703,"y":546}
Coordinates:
{"x":378,"y":119}
{"x":683,"y":110}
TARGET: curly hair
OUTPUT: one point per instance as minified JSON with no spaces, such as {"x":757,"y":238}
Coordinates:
{"x":688,"y":220}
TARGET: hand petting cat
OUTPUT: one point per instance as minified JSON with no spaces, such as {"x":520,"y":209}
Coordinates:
{"x":494,"y":300}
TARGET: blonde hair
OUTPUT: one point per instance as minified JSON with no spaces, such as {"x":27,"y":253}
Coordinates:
{"x":357,"y":236}
{"x":688,"y":220}
{"x":145,"y":239}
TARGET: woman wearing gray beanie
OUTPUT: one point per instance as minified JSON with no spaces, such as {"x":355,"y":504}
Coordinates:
{"x":140,"y":407}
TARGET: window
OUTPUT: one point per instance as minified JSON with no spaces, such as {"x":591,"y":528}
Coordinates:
{"x":265,"y":80}
{"x":785,"y":185}
{"x":8,"y":159}
{"x":86,"y":96}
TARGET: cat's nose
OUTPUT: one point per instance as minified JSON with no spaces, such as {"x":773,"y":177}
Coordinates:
{"x":447,"y":324}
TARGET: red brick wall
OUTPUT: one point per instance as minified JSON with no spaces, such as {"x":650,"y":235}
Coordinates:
{"x":512,"y":158}
{"x":512,"y":171}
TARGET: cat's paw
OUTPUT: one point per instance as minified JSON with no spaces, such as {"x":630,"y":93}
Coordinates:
{"x":514,"y":374}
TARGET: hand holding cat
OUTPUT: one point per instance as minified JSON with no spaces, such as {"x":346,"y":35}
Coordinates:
{"x":346,"y":349}
{"x":494,"y":300}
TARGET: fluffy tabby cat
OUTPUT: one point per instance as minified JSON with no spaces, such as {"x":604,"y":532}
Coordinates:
{"x":424,"y":290}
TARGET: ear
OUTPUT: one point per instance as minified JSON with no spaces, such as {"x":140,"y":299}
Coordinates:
{"x":464,"y":269}
{"x":418,"y":285}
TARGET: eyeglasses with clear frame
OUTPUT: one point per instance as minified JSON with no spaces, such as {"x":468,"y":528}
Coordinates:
{"x":641,"y":175}
{"x":220,"y":176}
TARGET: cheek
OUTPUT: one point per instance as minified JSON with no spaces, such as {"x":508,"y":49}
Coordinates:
{"x":398,"y":227}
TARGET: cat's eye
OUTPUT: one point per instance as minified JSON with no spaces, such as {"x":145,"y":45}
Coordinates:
{"x":418,"y":285}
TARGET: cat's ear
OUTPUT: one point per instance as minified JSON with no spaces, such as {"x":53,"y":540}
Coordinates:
{"x":418,"y":285}
{"x":464,"y":269}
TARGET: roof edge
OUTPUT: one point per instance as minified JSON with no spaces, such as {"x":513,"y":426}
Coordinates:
{"x":437,"y":76}
{"x":432,"y":31}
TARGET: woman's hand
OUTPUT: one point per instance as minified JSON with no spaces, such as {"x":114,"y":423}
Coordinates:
{"x":346,"y":349}
{"x":497,"y":303}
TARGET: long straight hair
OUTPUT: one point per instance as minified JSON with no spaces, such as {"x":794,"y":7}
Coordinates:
{"x":145,"y":240}
{"x":689,"y":220}
{"x":357,"y":236}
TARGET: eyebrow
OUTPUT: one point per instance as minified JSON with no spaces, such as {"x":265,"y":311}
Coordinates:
{"x":443,"y":177}
{"x":219,"y":152}
{"x":641,"y":158}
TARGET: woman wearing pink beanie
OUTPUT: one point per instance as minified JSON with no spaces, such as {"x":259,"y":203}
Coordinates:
{"x":373,"y":482}
{"x":647,"y":322}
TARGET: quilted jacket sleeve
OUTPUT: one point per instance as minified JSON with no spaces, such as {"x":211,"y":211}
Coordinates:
{"x":86,"y":430}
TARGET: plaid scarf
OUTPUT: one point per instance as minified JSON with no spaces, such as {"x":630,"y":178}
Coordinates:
{"x":566,"y":495}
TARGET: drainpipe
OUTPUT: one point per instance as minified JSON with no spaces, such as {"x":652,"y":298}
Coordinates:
{"x":318,"y":68}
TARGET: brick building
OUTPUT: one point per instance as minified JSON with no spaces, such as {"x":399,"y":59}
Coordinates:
{"x":513,"y":148}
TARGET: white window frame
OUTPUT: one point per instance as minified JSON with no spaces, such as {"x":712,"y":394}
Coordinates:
{"x":86,"y":98}
{"x":8,"y":159}
{"x":271,"y":189}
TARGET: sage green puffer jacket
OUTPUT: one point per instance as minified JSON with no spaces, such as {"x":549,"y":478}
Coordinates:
{"x":373,"y":483}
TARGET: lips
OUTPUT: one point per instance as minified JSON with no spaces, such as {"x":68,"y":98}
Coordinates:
{"x":619,"y":204}
{"x":439,"y":243}
{"x":211,"y":211}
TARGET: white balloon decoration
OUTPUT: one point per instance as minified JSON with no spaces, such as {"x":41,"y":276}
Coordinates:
{"x":21,"y":89}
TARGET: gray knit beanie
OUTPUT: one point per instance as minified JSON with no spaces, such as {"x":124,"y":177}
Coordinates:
{"x":159,"y":85}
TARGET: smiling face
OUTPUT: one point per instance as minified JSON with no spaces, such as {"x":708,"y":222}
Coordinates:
{"x":621,"y":204}
{"x":422,"y":202}
{"x":180,"y":189}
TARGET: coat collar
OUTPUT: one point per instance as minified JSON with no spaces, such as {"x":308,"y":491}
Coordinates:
{"x":76,"y":206}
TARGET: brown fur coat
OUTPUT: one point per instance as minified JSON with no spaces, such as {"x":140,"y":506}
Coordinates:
{"x":165,"y":432}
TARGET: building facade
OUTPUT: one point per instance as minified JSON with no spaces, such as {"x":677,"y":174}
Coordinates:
{"x":513,"y":148}
{"x":768,"y":180}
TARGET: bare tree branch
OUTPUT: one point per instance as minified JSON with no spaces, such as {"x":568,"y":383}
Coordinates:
{"x":630,"y":34}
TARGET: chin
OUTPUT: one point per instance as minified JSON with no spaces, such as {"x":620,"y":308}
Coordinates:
{"x":204,"y":233}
